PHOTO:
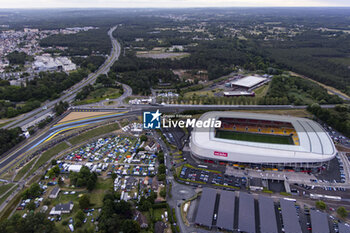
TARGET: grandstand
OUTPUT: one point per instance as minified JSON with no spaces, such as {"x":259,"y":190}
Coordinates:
{"x":258,"y":131}
{"x":262,"y":140}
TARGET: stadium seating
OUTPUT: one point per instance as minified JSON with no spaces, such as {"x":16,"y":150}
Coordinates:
{"x":260,"y":127}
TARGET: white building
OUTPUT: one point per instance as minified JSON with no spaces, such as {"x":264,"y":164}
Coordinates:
{"x":312,"y":146}
{"x":47,"y":63}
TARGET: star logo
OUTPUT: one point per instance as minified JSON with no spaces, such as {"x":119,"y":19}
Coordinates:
{"x":151,"y":120}
{"x":155,"y":115}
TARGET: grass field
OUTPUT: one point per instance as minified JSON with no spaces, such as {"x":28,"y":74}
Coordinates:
{"x":49,"y":154}
{"x":93,"y":133}
{"x":4,"y":188}
{"x":99,"y":95}
{"x":24,"y":170}
{"x":253,"y":137}
{"x":4,"y":197}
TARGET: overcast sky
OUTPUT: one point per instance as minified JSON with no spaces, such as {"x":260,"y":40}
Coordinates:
{"x":167,"y":3}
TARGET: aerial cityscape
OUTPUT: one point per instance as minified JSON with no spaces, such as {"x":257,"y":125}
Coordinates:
{"x":152,"y":116}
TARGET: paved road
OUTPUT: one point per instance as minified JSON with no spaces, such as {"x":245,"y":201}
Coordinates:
{"x":70,"y":94}
{"x":16,"y":156}
{"x":116,"y":102}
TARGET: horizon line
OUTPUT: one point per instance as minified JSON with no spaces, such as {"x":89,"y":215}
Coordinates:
{"x":189,"y":7}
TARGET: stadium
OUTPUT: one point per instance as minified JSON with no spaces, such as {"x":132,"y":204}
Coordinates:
{"x":263,"y":141}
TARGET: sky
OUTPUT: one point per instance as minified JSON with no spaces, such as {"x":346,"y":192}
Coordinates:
{"x":168,"y":3}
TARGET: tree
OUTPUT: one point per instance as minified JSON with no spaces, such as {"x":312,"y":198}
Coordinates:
{"x":130,"y":226}
{"x":161,"y":169}
{"x":342,"y":212}
{"x":37,"y":223}
{"x":33,"y":191}
{"x":84,"y":201}
{"x":80,"y":215}
{"x":321,"y":205}
{"x":162,"y":192}
{"x":61,"y":107}
{"x":143,"y":138}
{"x":31,"y":206}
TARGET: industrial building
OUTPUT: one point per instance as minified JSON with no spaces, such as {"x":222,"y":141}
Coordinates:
{"x":48,"y":63}
{"x":249,"y":82}
{"x":263,"y":140}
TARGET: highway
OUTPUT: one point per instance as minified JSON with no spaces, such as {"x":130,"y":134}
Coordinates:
{"x":131,"y":110}
{"x":31,"y":145}
{"x":69,"y":95}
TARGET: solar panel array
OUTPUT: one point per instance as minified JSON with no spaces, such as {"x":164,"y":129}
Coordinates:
{"x":206,"y":207}
{"x":244,"y":216}
{"x":290,"y":217}
{"x":267,"y":214}
{"x":226,"y":211}
{"x":319,"y":222}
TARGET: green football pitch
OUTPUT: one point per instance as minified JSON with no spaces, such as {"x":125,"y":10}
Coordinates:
{"x":254,"y":137}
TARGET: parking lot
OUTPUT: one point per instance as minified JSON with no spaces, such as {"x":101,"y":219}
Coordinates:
{"x":206,"y":177}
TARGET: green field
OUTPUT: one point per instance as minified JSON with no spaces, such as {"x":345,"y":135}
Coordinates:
{"x":99,"y":95}
{"x":253,"y":137}
{"x":47,"y":155}
{"x":93,"y":133}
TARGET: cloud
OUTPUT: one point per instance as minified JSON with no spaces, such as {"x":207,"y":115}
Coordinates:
{"x":166,"y":3}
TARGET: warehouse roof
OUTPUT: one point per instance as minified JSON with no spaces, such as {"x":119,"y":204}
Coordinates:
{"x":268,"y":222}
{"x":206,"y":207}
{"x":248,"y":82}
{"x":246,"y":216}
{"x":226,"y":210}
{"x":290,"y":217}
{"x":319,"y":222}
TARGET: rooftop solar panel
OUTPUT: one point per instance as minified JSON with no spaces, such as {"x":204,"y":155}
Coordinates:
{"x":268,"y":222}
{"x":246,"y":216}
{"x":206,"y":207}
{"x":226,"y":210}
{"x":319,"y":222}
{"x":290,"y":217}
{"x":343,"y":228}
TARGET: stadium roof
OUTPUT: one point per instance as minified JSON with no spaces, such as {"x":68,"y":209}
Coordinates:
{"x":248,"y":82}
{"x":226,"y":210}
{"x":246,"y":216}
{"x":290,"y":218}
{"x":315,"y":145}
{"x":319,"y":222}
{"x":206,"y":207}
{"x":268,"y":222}
{"x":343,"y":228}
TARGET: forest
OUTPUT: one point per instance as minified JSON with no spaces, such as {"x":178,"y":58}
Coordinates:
{"x":338,"y":117}
{"x":9,"y":138}
{"x":316,"y":55}
{"x":94,"y":41}
{"x":18,"y":58}
{"x":47,"y":86}
{"x":299,"y":91}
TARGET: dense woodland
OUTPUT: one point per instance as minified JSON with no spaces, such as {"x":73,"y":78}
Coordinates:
{"x":33,"y":223}
{"x":117,"y":216}
{"x":338,"y":118}
{"x":47,"y":86}
{"x":95,"y":41}
{"x":322,"y":56}
{"x":298,"y":91}
{"x":9,"y":138}
{"x":18,"y":58}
